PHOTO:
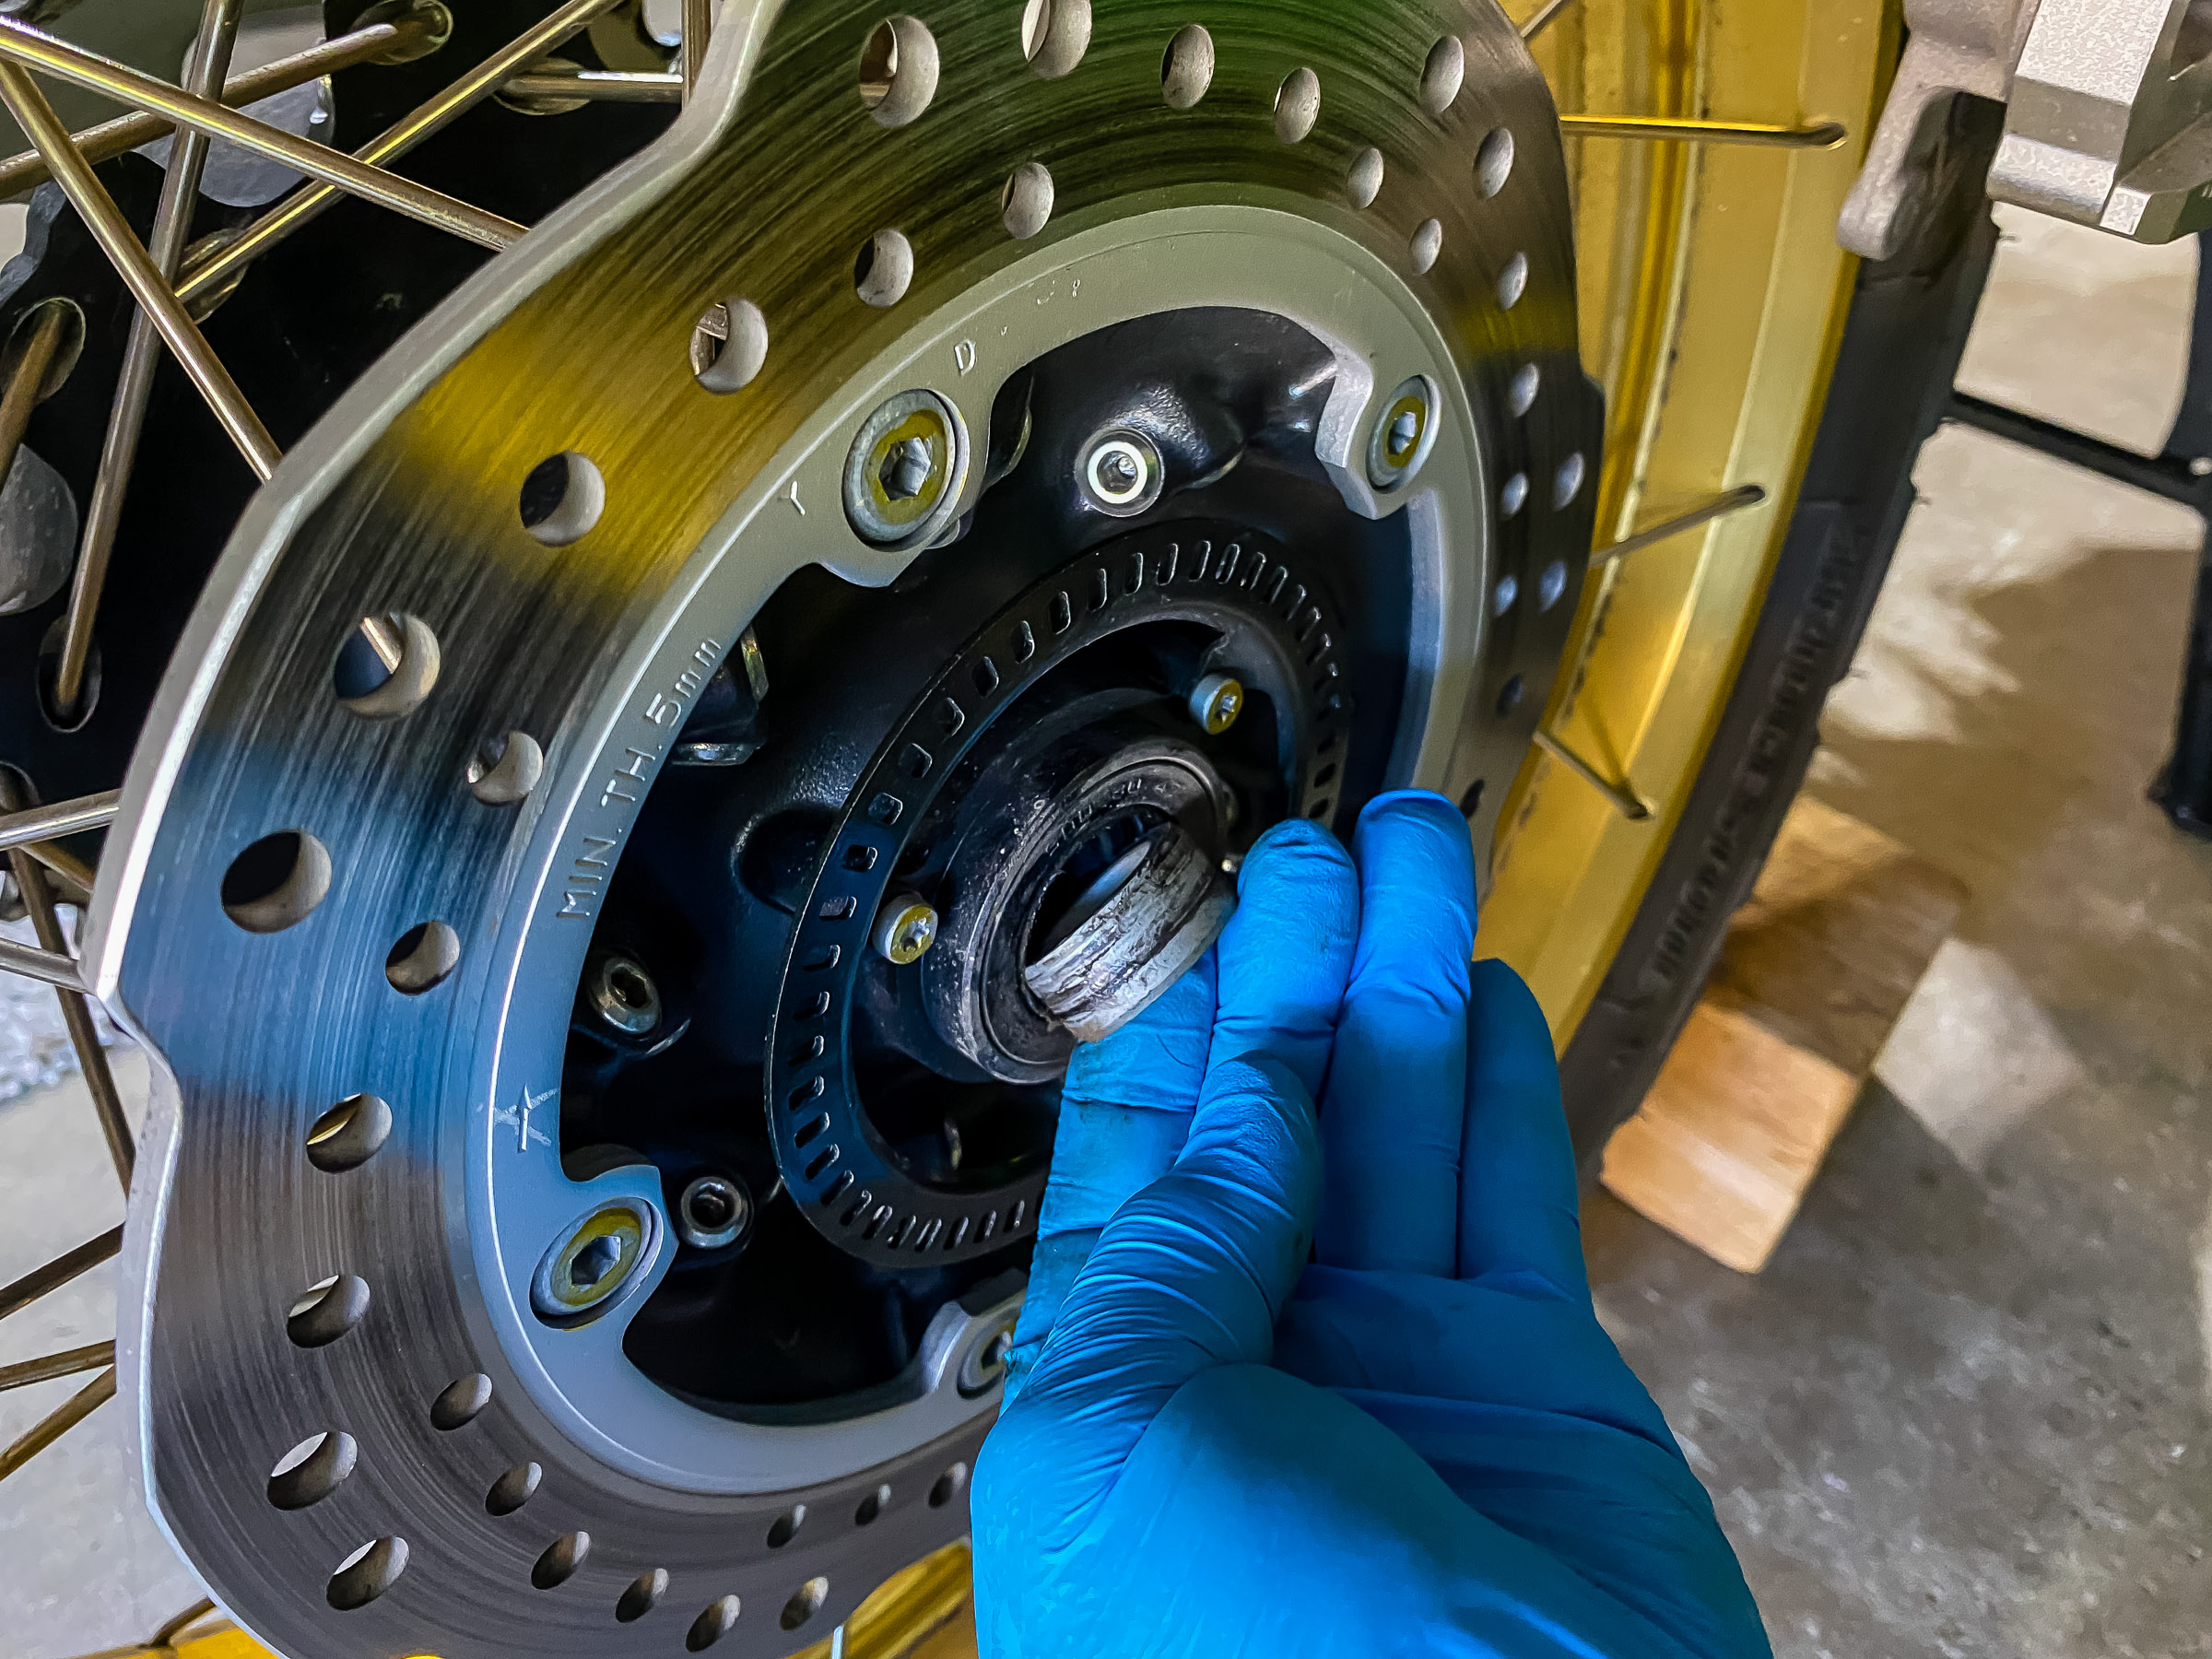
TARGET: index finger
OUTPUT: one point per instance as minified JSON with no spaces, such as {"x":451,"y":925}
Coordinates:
{"x":1124,"y":1113}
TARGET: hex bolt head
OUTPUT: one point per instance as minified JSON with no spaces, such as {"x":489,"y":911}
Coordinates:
{"x":905,"y":929}
{"x":1122,"y":473}
{"x":586,"y":1267}
{"x":623,"y":997}
{"x":1216,"y":702}
{"x":715,"y":1210}
{"x":1403,"y":434}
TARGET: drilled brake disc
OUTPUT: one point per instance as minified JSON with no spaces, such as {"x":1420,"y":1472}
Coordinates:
{"x":520,"y":834}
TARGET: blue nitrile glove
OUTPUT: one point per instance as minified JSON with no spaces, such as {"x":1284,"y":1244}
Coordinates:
{"x":1422,"y":1441}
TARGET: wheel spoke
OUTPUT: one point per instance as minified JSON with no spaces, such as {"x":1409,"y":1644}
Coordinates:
{"x":377,"y":43}
{"x":209,"y":63}
{"x":1734,"y":500}
{"x":62,"y":817}
{"x":27,"y":1372}
{"x":25,"y":45}
{"x":174,"y":1628}
{"x":699,"y":19}
{"x":34,"y":963}
{"x":98,"y":209}
{"x":59,"y":1272}
{"x":76,"y":1012}
{"x":203,"y":278}
{"x":1824,"y":134}
{"x":25,"y":381}
{"x":1625,"y":800}
{"x":1543,"y":19}
{"x":606,"y":86}
{"x":58,"y":1422}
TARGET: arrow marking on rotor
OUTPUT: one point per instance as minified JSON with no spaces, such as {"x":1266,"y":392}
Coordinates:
{"x":525,"y":1130}
{"x":792,"y":495}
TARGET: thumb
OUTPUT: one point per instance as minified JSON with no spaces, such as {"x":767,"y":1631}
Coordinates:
{"x":1190,"y":1274}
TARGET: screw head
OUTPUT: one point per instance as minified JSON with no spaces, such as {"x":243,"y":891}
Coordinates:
{"x":715,"y":1210}
{"x":1122,"y":473}
{"x":589,"y":1263}
{"x":623,"y":995}
{"x":1401,"y":438}
{"x":1216,"y":702}
{"x":903,"y":472}
{"x":905,"y":929}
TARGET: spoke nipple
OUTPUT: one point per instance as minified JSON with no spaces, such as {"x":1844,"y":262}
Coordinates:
{"x":905,"y":929}
{"x":1216,"y":702}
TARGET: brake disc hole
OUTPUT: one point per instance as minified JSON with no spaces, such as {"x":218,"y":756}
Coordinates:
{"x":1363,"y":184}
{"x":505,"y":770}
{"x":385,"y":666}
{"x":311,"y":1470}
{"x":328,"y":1309}
{"x":713,"y":1624}
{"x":1444,"y":73}
{"x":729,"y":345}
{"x":1567,"y":483}
{"x":277,"y":881}
{"x":562,"y":497}
{"x":558,"y":1564}
{"x":1055,"y":35}
{"x":884,"y":269}
{"x":349,"y":1133}
{"x":871,"y":1506}
{"x":947,"y":1486}
{"x":1187,"y":70}
{"x":367,"y":1573}
{"x":642,"y":1596}
{"x":804,"y":1603}
{"x":1427,"y":246}
{"x":1297,"y":105}
{"x":1026,"y":203}
{"x":787,"y":1526}
{"x":459,"y":1402}
{"x":1512,"y":282}
{"x":1494,"y":162}
{"x":426,"y":953}
{"x":1521,"y":396}
{"x":513,"y":1490}
{"x":898,"y":70}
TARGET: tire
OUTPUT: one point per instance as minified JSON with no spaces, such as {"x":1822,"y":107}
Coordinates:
{"x":1905,"y":329}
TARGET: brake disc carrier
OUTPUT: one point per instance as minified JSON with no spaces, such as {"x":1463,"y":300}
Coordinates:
{"x":838,"y":524}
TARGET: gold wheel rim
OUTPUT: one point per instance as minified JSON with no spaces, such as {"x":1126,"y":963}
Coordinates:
{"x":1713,"y":295}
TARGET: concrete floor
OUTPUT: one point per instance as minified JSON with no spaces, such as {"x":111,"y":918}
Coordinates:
{"x":1964,"y":1411}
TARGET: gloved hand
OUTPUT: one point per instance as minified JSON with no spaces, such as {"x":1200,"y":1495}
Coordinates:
{"x":1420,"y":1442}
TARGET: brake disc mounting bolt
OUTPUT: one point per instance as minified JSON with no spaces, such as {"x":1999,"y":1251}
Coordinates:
{"x":905,"y":929}
{"x":1216,"y":702}
{"x":1404,"y":433}
{"x":583,"y":1268}
{"x":623,"y":995}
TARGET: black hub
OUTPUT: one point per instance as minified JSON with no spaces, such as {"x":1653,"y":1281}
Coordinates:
{"x":884,"y":1118}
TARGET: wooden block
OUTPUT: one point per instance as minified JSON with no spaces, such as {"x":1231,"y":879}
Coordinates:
{"x":1815,"y":970}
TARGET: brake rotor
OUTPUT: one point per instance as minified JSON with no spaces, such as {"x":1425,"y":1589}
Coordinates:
{"x":849,"y":507}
